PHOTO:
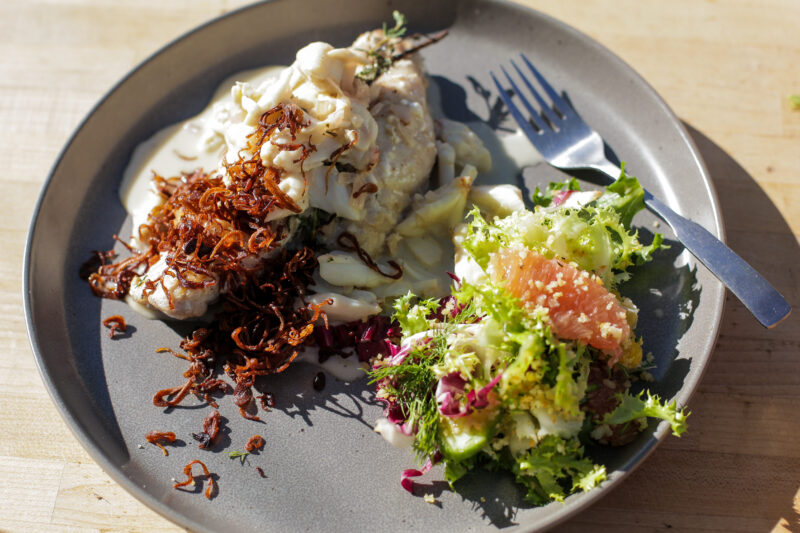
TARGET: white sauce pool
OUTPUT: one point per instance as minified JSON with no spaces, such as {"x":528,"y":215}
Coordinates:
{"x":344,"y":369}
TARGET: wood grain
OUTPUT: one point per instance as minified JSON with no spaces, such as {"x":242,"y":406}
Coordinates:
{"x":724,"y":66}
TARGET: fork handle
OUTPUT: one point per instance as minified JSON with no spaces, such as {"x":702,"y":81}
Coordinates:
{"x":755,"y":292}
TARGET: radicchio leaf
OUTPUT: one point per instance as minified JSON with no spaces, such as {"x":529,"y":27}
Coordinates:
{"x":452,"y":386}
{"x":405,"y":477}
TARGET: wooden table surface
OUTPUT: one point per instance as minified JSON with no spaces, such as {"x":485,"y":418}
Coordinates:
{"x":724,"y":66}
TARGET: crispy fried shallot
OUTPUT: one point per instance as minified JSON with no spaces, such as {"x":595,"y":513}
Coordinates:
{"x":258,"y":332}
{"x":178,"y":394}
{"x":187,"y":471}
{"x":256,"y":442}
{"x":335,"y":155}
{"x":243,"y":397}
{"x":267,"y":401}
{"x":213,"y":231}
{"x":349,"y":242}
{"x":367,"y":188}
{"x":208,"y":230}
{"x":160,"y":437}
{"x":211,"y":427}
{"x":114,"y":324}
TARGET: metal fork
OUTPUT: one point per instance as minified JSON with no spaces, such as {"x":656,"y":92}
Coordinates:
{"x":567,"y":142}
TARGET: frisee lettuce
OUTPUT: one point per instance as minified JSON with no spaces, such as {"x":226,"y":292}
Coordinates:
{"x":534,"y":355}
{"x":570,"y":388}
{"x":545,"y":198}
{"x":596,"y":236}
{"x":455,"y":470}
{"x":412,"y":313}
{"x":648,"y":405}
{"x":555,"y":468}
{"x":625,"y":196}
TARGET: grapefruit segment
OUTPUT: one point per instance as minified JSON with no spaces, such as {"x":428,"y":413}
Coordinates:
{"x":579,"y":306}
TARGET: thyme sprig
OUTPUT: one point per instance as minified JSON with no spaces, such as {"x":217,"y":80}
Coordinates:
{"x":382,"y":53}
{"x":399,"y":28}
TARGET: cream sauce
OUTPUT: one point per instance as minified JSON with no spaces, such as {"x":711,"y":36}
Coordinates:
{"x":519,"y":153}
{"x":343,"y":369}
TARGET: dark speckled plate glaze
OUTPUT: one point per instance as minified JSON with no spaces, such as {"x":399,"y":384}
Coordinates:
{"x":326,"y":469}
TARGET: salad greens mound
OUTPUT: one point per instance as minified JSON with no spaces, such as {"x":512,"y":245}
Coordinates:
{"x":501,"y":377}
{"x":595,"y":235}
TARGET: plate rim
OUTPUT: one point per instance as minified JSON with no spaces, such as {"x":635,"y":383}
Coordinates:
{"x":579,"y":502}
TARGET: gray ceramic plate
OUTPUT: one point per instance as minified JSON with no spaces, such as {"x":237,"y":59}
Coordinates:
{"x":326,"y":469}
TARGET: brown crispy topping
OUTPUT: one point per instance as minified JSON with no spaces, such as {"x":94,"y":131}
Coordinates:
{"x":256,"y":442}
{"x":349,"y":242}
{"x":114,"y":324}
{"x":211,"y":427}
{"x":367,"y":188}
{"x":160,"y":437}
{"x":187,"y":470}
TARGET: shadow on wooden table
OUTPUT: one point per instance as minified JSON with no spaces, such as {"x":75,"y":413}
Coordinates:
{"x":738,"y":467}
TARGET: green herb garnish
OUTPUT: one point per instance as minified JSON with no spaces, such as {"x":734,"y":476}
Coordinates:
{"x":399,"y":28}
{"x":382,"y":54}
{"x":413,"y":383}
{"x":238,"y":455}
